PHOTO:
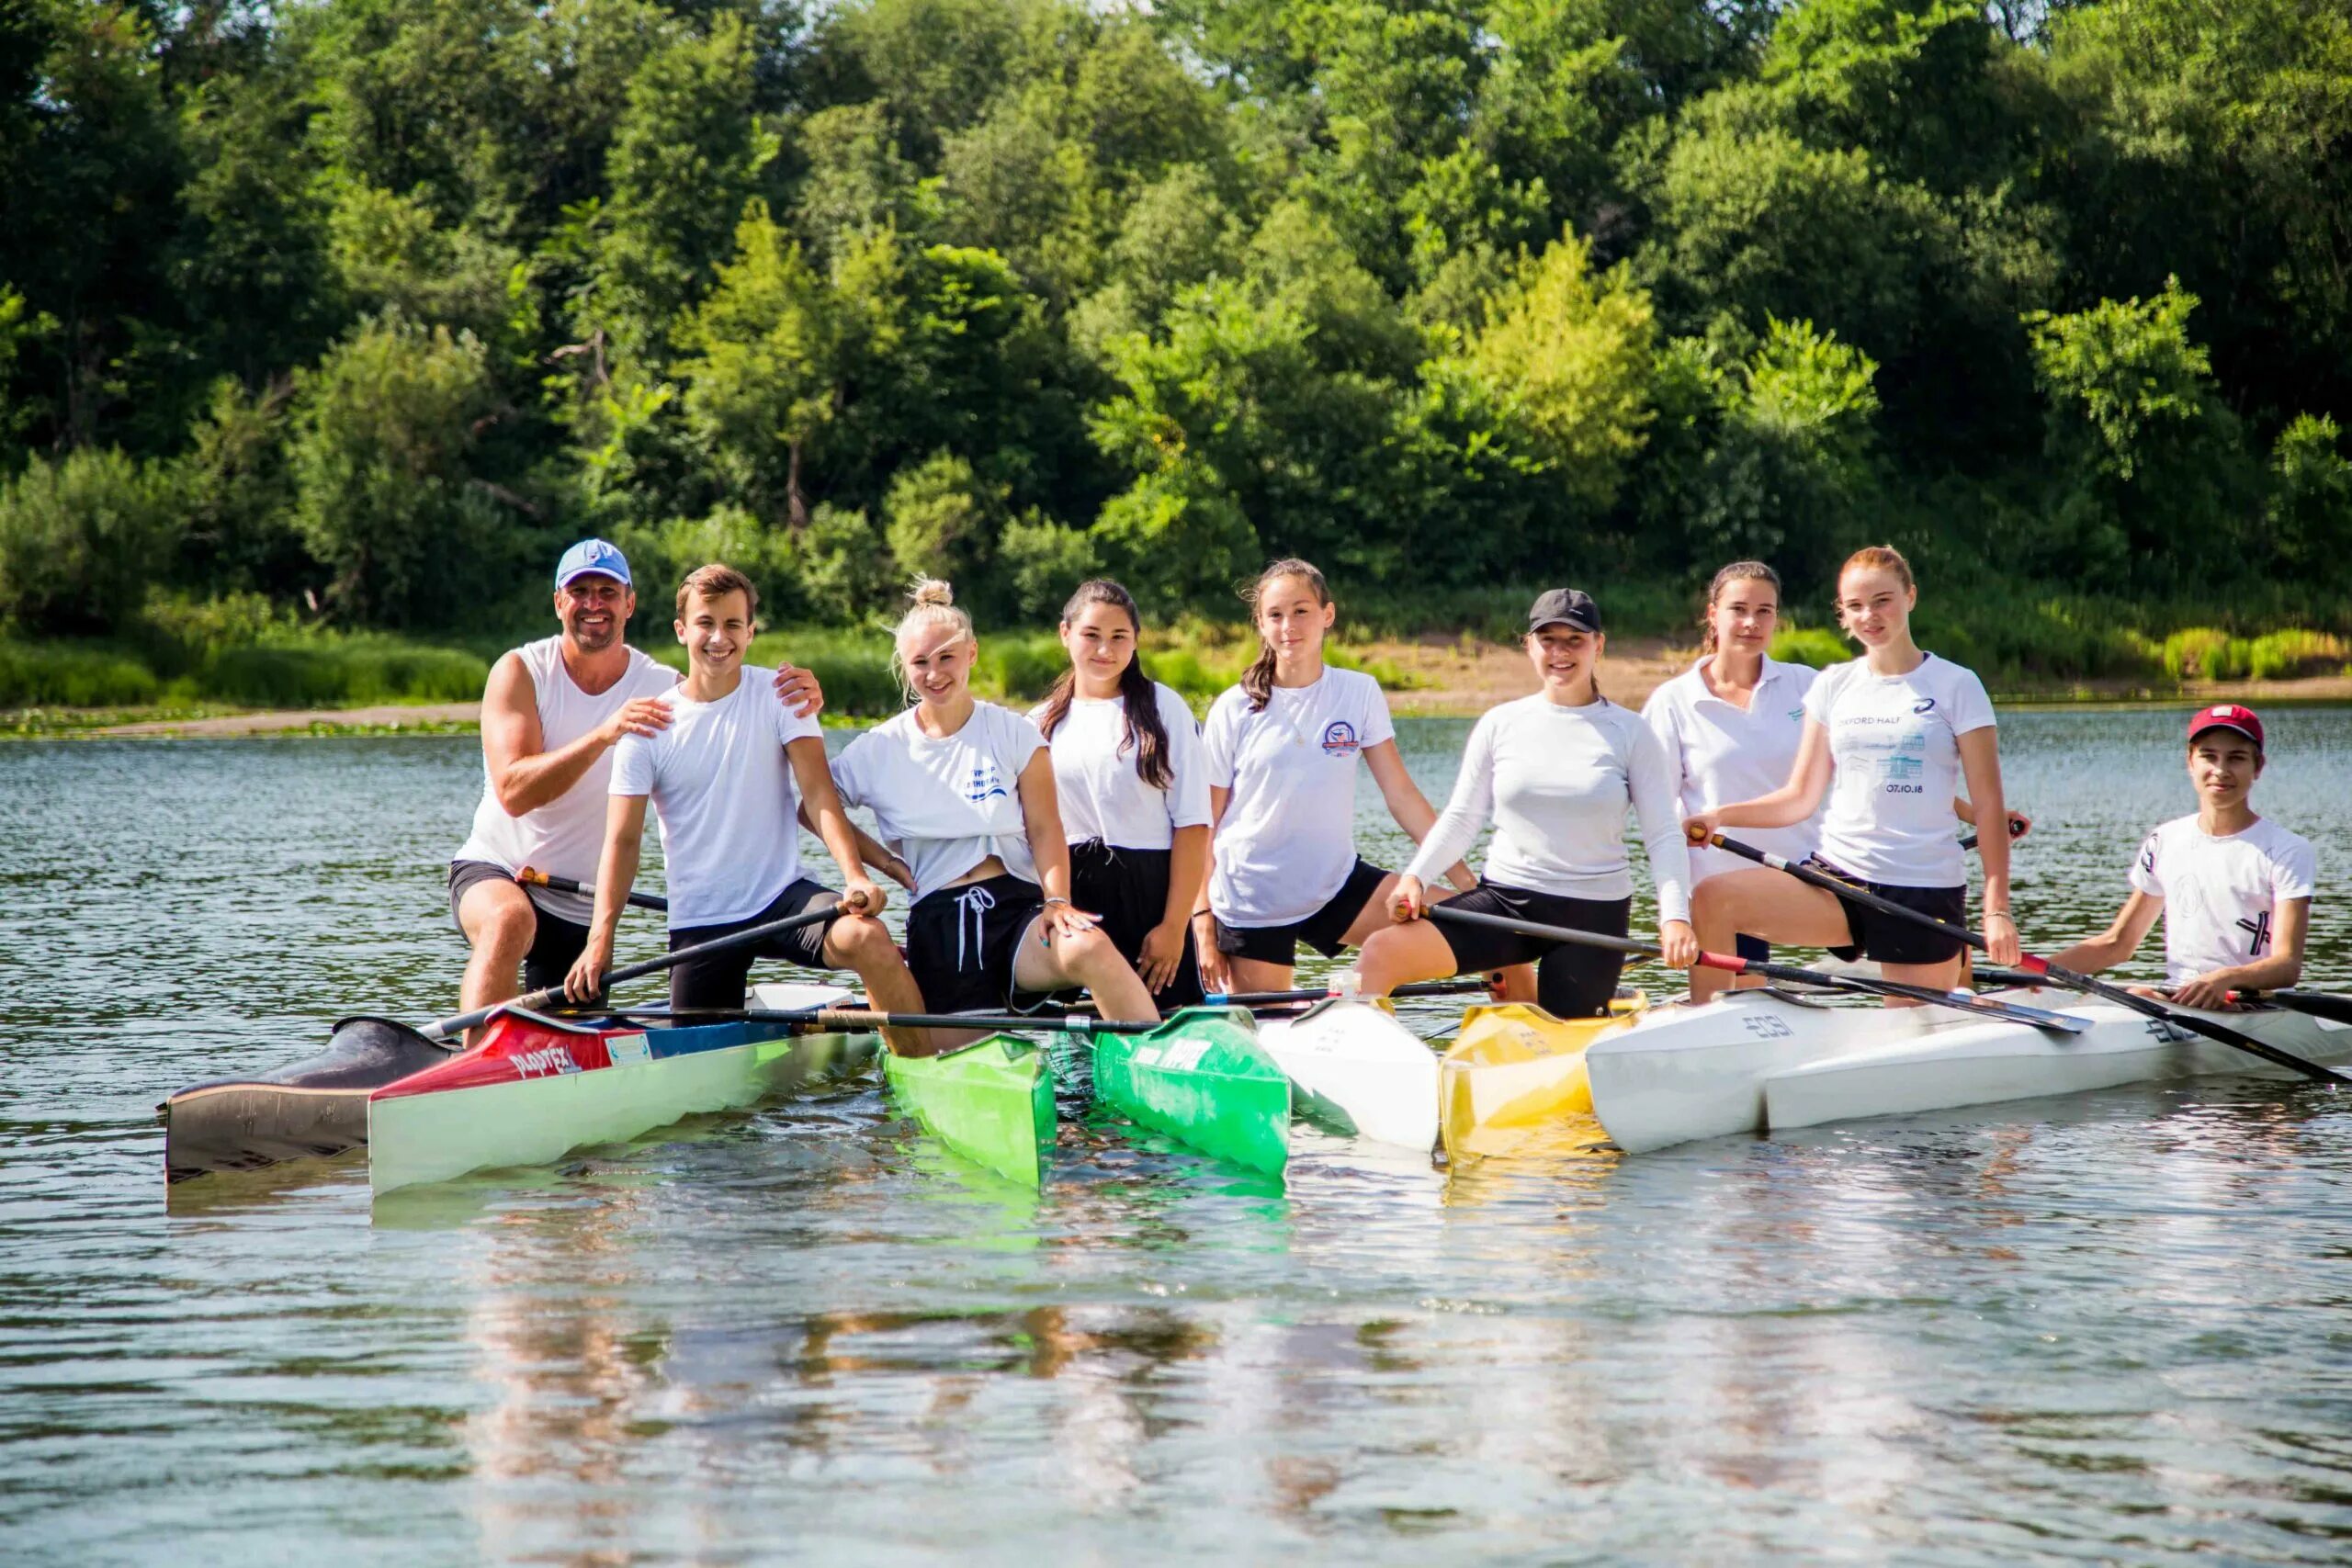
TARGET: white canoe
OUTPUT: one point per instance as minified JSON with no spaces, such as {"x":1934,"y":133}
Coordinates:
{"x":1982,"y":1063}
{"x":536,"y":1088}
{"x":1355,"y":1069}
{"x":1691,"y":1071}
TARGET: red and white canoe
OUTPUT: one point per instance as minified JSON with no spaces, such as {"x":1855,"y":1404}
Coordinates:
{"x":536,"y":1088}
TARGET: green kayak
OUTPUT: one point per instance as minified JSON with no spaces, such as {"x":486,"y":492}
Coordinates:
{"x":992,"y":1103}
{"x":1202,"y":1078}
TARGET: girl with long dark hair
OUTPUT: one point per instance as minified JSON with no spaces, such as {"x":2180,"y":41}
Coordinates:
{"x":1134,"y":792}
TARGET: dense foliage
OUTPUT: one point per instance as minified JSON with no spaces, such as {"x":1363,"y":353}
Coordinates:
{"x":363,"y":307}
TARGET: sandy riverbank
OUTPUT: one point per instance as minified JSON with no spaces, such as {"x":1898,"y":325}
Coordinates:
{"x":1450,"y":678}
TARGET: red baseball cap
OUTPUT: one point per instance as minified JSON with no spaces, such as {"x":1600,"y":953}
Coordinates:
{"x":2227,"y":716}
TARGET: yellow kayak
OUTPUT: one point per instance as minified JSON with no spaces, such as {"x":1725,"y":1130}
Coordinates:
{"x":1514,"y":1070}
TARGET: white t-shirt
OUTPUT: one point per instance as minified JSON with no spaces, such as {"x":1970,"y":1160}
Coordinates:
{"x":723,"y":787}
{"x":565,"y":836}
{"x":2221,"y":894}
{"x":1101,"y":795}
{"x":1557,"y":782}
{"x":945,"y":805}
{"x":1895,"y":741}
{"x":1288,"y":837}
{"x":1717,"y":754}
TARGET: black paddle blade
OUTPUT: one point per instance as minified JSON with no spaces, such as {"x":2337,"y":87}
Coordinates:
{"x":2319,"y":1004}
{"x":306,"y":1110}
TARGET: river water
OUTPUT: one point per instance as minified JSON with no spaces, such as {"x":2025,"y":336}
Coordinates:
{"x":2113,"y":1328}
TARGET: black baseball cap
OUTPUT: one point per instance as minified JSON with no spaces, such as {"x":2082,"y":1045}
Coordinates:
{"x":1565,"y":606}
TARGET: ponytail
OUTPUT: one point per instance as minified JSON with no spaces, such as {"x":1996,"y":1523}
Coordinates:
{"x":1258,"y":681}
{"x":1137,"y":692}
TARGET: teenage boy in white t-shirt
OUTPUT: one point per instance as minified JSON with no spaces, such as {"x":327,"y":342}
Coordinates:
{"x":722,"y":775}
{"x":2235,"y":890}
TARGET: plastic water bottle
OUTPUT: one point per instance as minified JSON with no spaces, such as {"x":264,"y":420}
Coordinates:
{"x":1347,"y":983}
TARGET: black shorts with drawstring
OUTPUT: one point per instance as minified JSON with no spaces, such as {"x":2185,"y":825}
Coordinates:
{"x":963,"y":941}
{"x":1127,"y":892}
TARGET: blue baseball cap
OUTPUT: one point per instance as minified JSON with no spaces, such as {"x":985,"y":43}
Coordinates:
{"x":592,"y":555}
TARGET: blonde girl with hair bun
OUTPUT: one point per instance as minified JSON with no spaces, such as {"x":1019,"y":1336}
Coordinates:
{"x":1889,"y":739}
{"x":963,"y":792}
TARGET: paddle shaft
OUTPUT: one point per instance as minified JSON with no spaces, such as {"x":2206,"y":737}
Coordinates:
{"x":1966,"y":1002}
{"x":2220,"y":1033}
{"x":447,"y":1026}
{"x":535,"y":878}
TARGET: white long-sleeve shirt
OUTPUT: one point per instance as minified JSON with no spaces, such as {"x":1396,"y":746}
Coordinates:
{"x":1557,"y":782}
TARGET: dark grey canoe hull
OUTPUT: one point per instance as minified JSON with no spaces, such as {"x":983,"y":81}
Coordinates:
{"x":306,"y":1110}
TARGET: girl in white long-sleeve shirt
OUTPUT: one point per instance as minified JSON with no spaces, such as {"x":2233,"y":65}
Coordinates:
{"x":1557,"y":772}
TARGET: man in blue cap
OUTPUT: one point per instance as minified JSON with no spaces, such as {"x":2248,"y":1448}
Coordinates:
{"x":551,"y":715}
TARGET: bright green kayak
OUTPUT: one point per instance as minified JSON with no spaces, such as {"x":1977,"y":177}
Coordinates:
{"x":1202,"y":1078}
{"x":991,"y":1102}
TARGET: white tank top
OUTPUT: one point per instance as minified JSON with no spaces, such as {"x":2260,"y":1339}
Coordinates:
{"x":565,"y":836}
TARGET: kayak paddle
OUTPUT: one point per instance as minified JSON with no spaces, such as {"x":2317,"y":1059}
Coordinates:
{"x":1963,"y":1001}
{"x":555,"y":884}
{"x":2048,"y":972}
{"x":448,"y":1028}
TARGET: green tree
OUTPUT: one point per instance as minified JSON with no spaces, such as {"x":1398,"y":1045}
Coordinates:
{"x":768,"y":358}
{"x":81,"y":538}
{"x":1572,"y":353}
{"x":383,"y":456}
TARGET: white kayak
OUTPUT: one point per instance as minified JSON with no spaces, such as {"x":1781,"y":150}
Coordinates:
{"x":1356,"y":1070}
{"x":1982,"y":1063}
{"x":1690,"y":1071}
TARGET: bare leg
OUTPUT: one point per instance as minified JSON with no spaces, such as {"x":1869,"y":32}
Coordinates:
{"x":1256,"y":975}
{"x":1401,"y":954}
{"x":499,"y":923}
{"x":1086,"y":959}
{"x":862,"y":943}
{"x":1764,"y":903}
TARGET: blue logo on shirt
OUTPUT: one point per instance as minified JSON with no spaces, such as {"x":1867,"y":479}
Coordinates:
{"x":984,"y":785}
{"x":1925,"y":705}
{"x":1339,"y":738}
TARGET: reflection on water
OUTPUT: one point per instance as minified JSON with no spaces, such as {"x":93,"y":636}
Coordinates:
{"x":2109,"y":1326}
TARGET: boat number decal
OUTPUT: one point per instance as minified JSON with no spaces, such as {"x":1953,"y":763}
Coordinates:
{"x":1765,"y":1027}
{"x":546,"y":1062}
{"x":1183,"y":1056}
{"x":628,"y":1050}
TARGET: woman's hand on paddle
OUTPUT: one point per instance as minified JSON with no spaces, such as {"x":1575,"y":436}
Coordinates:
{"x":1410,"y":901}
{"x":1677,"y":944}
{"x":1216,"y":972}
{"x":638,"y":716}
{"x":862,"y":897}
{"x":1701,"y":828}
{"x":586,"y":982}
{"x":2020,"y":826}
{"x":2210,"y":993}
{"x":1162,"y":952}
{"x":2001,"y":938}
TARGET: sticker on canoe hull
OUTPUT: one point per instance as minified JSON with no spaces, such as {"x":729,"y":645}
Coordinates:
{"x":628,"y":1050}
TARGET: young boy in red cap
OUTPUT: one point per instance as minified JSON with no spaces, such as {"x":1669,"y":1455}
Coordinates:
{"x":2235,"y":890}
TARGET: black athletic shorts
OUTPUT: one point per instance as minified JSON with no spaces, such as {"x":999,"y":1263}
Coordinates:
{"x":1127,"y":892}
{"x":719,"y":980}
{"x":1570,"y":981}
{"x":1325,"y":930}
{"x":556,"y":943}
{"x":1891,"y":939}
{"x":962,"y":941}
